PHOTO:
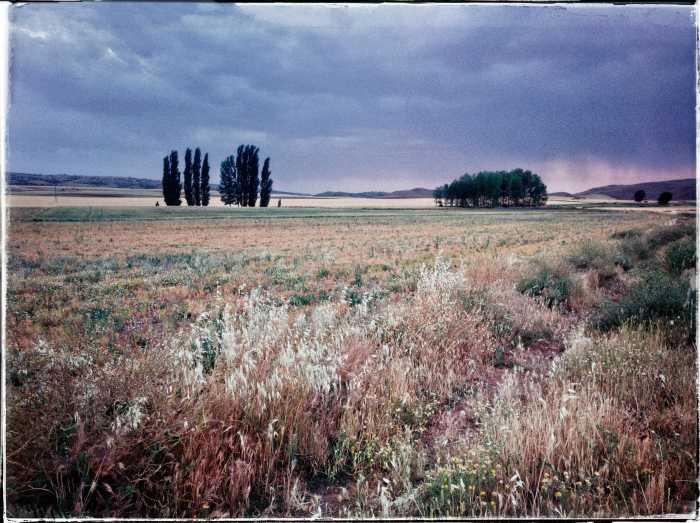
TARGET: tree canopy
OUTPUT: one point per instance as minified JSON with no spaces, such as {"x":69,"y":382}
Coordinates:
{"x":516,"y":188}
{"x":665,"y":197}
{"x":265,"y":184}
{"x":240,"y":178}
{"x":171,"y":180}
{"x":204,"y":183}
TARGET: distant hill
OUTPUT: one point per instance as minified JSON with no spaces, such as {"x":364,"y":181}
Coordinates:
{"x":275,"y":191}
{"x":416,"y":192}
{"x":683,"y":189}
{"x":116,"y":182}
{"x":74,"y":180}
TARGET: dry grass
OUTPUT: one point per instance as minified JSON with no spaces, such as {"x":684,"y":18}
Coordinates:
{"x":100,"y":197}
{"x":234,"y":368}
{"x":144,"y":199}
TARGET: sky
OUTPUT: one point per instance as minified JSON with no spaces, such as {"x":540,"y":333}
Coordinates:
{"x":360,"y":97}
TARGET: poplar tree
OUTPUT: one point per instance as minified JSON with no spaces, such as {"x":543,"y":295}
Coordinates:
{"x":166,"y":179}
{"x":265,"y":184}
{"x":227,"y":184}
{"x":188,"y":177}
{"x":243,"y":175}
{"x":204,"y":183}
{"x":175,"y":187}
{"x":253,"y":175}
{"x":196,"y":182}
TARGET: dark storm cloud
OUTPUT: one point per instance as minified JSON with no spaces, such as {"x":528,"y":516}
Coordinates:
{"x":362,"y":97}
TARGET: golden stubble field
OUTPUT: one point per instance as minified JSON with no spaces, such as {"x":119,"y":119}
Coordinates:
{"x":42,"y":197}
{"x":22,"y":200}
{"x":404,"y":363}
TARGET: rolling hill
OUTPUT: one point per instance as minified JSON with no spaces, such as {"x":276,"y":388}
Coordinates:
{"x":113,"y":182}
{"x":683,"y":189}
{"x":74,"y":180}
{"x":416,"y":192}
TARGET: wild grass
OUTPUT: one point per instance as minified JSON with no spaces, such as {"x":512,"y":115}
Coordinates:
{"x":383,"y":373}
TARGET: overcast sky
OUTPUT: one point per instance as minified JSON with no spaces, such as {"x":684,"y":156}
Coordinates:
{"x":373,"y":97}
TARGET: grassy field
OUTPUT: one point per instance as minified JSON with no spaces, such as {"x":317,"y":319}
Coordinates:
{"x":350,"y":362}
{"x":106,"y":197}
{"x":113,"y":200}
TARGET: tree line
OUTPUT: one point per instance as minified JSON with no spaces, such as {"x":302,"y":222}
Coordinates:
{"x":196,"y":178}
{"x":516,"y":188}
{"x":664,"y":198}
{"x":240,"y":179}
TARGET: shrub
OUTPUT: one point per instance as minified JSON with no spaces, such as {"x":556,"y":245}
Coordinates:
{"x":549,"y":283}
{"x":627,"y":233}
{"x":576,"y":448}
{"x":467,"y":484}
{"x":680,"y":256}
{"x":634,"y":248}
{"x":590,"y":255}
{"x":665,"y":235}
{"x":529,"y":335}
{"x":657,"y":297}
{"x":594,"y":256}
{"x":301,"y":299}
{"x":623,"y":261}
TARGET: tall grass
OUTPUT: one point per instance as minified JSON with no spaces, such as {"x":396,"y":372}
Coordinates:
{"x":252,"y":402}
{"x":262,"y":405}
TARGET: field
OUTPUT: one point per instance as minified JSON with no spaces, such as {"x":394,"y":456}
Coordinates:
{"x":42,"y":196}
{"x":350,"y":362}
{"x":100,"y":198}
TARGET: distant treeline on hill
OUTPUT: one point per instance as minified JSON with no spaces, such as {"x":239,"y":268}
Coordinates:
{"x":416,"y":192}
{"x":682,"y":189}
{"x":75,"y":180}
{"x":516,"y":188}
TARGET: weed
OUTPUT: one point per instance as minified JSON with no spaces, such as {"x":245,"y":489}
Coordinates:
{"x":657,"y":297}
{"x":551,"y":284}
{"x":680,"y":256}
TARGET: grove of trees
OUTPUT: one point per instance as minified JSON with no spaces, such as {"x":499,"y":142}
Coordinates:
{"x":240,"y":178}
{"x":196,"y":179}
{"x":640,"y":195}
{"x":516,"y":188}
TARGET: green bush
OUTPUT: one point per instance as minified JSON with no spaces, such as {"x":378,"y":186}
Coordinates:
{"x":680,"y":256}
{"x":590,"y":255}
{"x":528,"y":336}
{"x":657,"y":297}
{"x":301,"y":299}
{"x":623,"y":260}
{"x":550,"y":284}
{"x":665,"y":235}
{"x":635,"y":248}
{"x":627,"y":233}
